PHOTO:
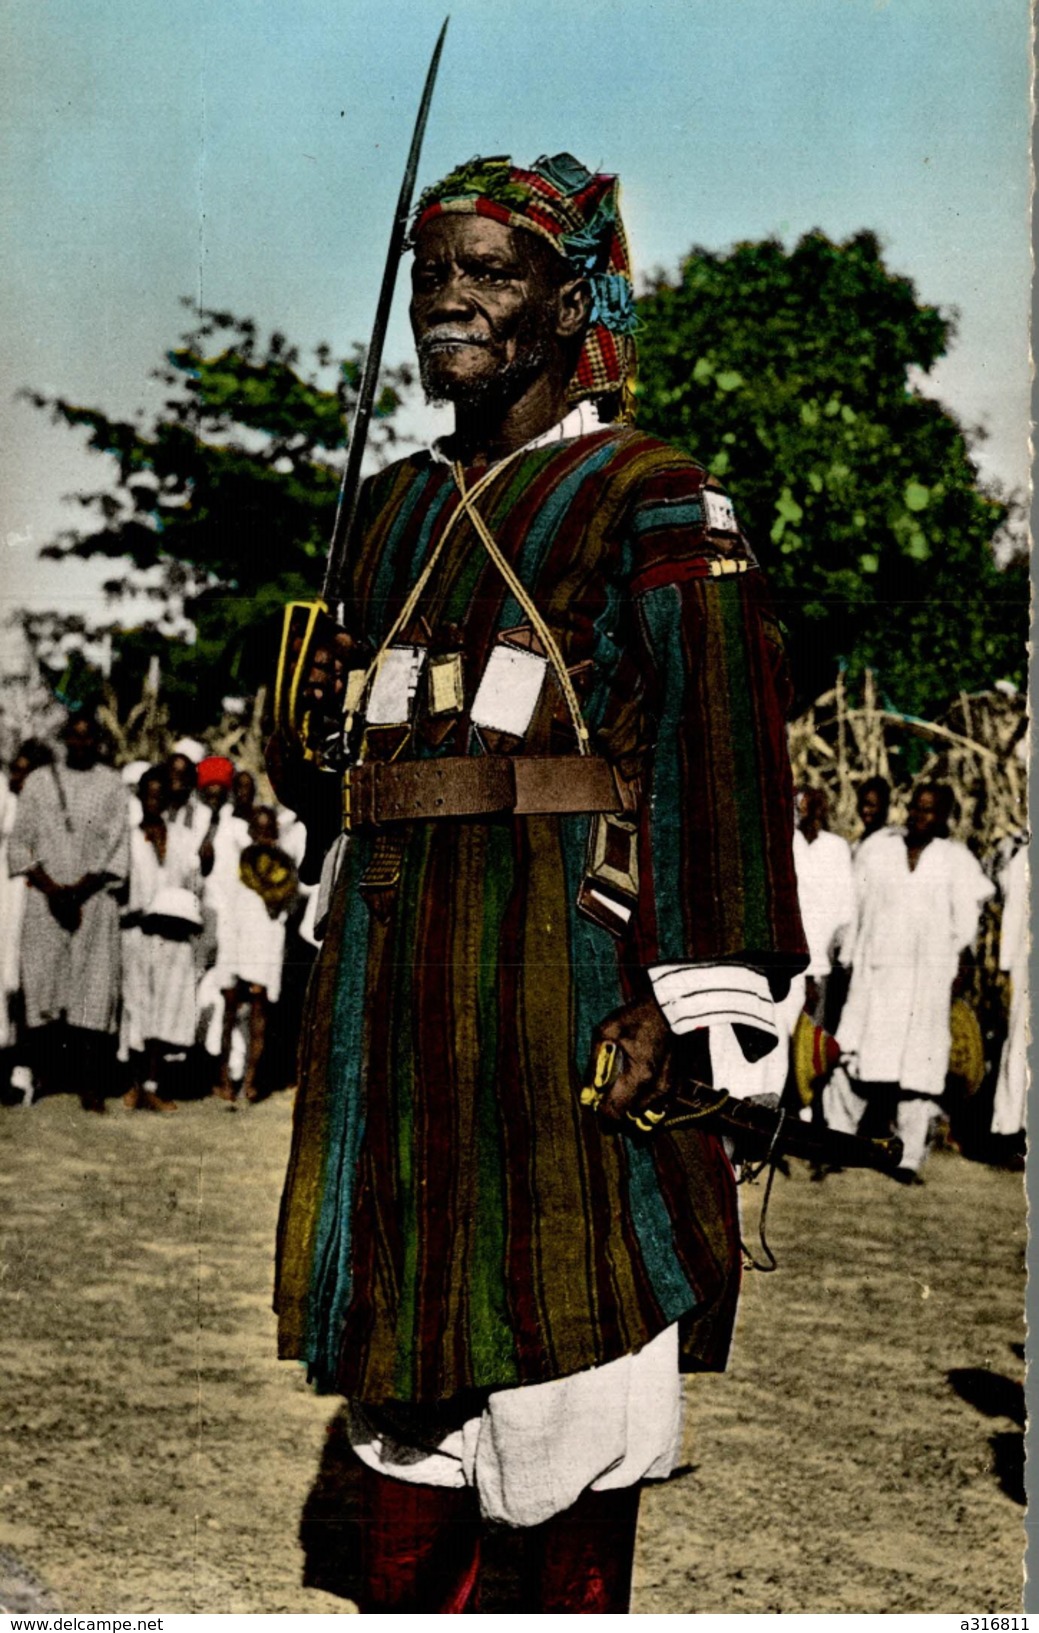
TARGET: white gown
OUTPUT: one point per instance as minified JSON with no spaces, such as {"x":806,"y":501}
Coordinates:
{"x":911,"y":928}
{"x":12,"y":912}
{"x":1008,"y":1116}
{"x":158,"y":974}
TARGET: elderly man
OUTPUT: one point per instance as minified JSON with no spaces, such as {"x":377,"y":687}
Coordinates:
{"x":70,"y":840}
{"x":570,"y":812}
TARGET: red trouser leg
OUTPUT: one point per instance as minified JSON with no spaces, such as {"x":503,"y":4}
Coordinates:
{"x":583,"y":1557}
{"x":420,"y":1546}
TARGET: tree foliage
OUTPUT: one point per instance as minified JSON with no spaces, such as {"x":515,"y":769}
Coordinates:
{"x":790,"y":374}
{"x":230,"y":492}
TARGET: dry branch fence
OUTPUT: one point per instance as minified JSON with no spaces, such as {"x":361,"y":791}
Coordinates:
{"x":977,"y":747}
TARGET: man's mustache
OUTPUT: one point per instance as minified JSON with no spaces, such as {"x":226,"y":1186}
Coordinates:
{"x":450,"y":334}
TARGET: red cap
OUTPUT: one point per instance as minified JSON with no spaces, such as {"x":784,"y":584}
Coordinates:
{"x":215,"y":769}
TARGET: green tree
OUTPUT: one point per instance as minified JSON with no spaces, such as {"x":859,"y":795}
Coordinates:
{"x":230,"y":492}
{"x":791,"y":375}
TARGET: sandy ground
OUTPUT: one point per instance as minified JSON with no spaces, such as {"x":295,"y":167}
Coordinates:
{"x":862,"y":1453}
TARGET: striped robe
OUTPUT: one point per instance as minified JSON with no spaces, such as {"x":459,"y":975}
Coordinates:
{"x":452,"y":1218}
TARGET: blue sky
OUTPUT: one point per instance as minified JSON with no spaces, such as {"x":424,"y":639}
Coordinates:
{"x":249,"y":152}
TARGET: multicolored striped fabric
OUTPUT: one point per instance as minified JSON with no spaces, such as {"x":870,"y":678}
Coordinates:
{"x":452,"y":1218}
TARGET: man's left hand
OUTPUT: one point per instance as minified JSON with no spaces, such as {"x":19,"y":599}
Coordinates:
{"x":644,"y":1040}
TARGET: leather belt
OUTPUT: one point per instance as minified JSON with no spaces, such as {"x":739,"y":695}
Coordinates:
{"x":377,"y":792}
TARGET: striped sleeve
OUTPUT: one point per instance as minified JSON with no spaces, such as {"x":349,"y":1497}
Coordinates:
{"x":717,"y":870}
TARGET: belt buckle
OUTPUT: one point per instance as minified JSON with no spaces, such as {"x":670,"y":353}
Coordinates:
{"x":358,"y":794}
{"x":347,"y":800}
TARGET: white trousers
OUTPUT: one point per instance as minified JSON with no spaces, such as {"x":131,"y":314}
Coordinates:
{"x":532,"y":1451}
{"x":844,"y":1108}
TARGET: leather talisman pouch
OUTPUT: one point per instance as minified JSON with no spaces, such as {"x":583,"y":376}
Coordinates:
{"x":609,"y":891}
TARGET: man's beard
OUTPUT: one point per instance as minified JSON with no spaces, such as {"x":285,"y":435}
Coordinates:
{"x":487,"y":395}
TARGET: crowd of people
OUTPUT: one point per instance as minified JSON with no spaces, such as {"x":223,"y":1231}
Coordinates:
{"x":891,"y":922}
{"x":155,"y":916}
{"x":153,"y":926}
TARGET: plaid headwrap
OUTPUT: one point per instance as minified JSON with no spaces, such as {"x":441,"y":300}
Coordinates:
{"x":579,"y":215}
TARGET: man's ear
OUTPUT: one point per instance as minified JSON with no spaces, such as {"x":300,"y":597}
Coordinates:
{"x":573,"y":308}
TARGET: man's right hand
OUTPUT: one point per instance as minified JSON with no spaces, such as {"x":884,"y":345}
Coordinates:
{"x":644,"y":1079}
{"x":333,"y":653}
{"x":62,"y":900}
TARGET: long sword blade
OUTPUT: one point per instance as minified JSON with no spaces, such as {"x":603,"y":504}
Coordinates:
{"x":346,"y":510}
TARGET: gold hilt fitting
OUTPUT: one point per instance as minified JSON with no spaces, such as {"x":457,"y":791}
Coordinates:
{"x":300,"y":628}
{"x":607,"y":1067}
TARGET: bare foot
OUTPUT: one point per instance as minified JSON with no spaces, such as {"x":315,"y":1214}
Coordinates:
{"x":151,"y":1101}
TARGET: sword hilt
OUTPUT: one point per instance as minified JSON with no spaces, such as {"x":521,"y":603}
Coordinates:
{"x":303,"y":624}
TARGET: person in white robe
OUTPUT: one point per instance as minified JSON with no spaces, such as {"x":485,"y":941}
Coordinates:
{"x":264,"y":892}
{"x":243,"y":795}
{"x":825,"y":894}
{"x":187,"y":809}
{"x":222,"y":845}
{"x":12,"y":907}
{"x":920,"y":896}
{"x":223,"y":841}
{"x":1008,"y":1116}
{"x":70,"y":841}
{"x":160,"y":921}
{"x":873,"y":802}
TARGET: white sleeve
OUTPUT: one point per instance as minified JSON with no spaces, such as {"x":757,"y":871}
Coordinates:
{"x":697,"y":995}
{"x":731,"y":1070}
{"x":971,"y":890}
{"x":23,"y":847}
{"x":731,"y":1001}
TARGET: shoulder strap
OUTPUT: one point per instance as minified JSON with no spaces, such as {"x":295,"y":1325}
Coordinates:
{"x":518,"y":589}
{"x":407,"y":611}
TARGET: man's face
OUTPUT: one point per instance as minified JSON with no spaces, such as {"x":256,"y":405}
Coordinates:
{"x":20,"y":769}
{"x":870,"y":809}
{"x":182,"y":777}
{"x":244,"y":791}
{"x":81,"y":745}
{"x":153,"y":799}
{"x":483,"y":307}
{"x":923,"y":816}
{"x":213,"y":795}
{"x":263,"y":829}
{"x":812,"y":810}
